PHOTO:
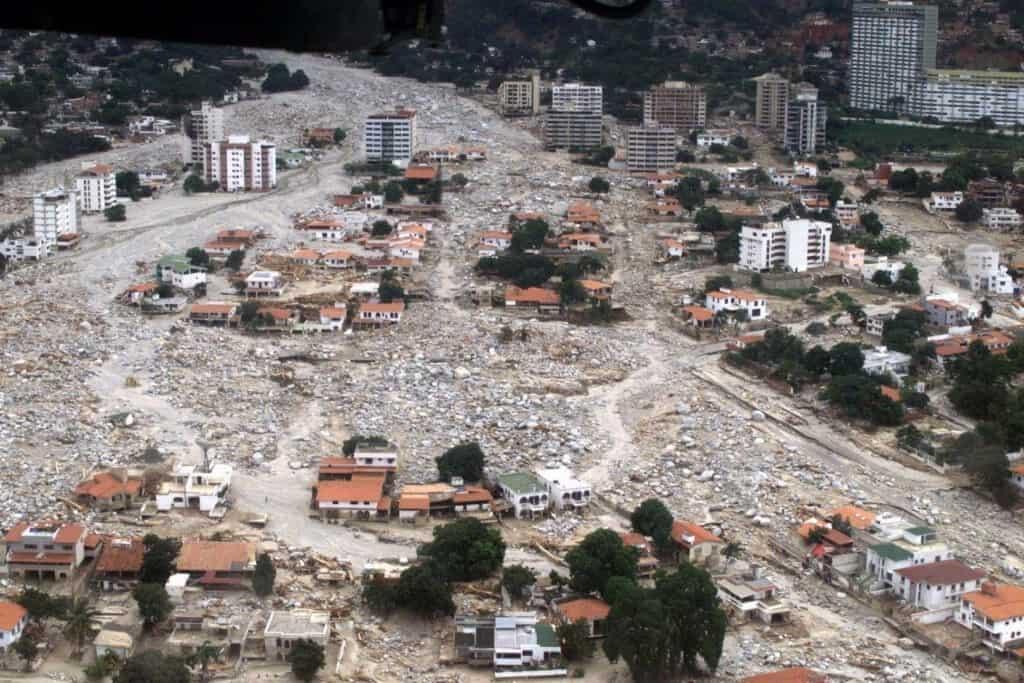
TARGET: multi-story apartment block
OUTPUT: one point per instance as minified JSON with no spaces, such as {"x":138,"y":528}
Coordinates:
{"x":199,"y":127}
{"x":390,"y":136}
{"x":96,"y":187}
{"x":520,"y":97}
{"x":54,"y":213}
{"x":240,"y":165}
{"x":770,"y":103}
{"x":577,"y":97}
{"x":805,"y":121}
{"x":1002,"y":218}
{"x":650,"y":149}
{"x":795,"y":245}
{"x":966,"y":96}
{"x":676,"y":104}
{"x":892,"y":45}
{"x":984,"y":273}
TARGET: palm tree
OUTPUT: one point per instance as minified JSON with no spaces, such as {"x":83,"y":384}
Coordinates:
{"x":203,"y":655}
{"x":78,"y":623}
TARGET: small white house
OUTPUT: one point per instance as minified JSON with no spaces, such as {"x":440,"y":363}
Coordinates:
{"x":334,"y":316}
{"x":118,"y":643}
{"x":936,"y":585}
{"x":179,"y":271}
{"x":374,"y":454}
{"x":943,"y":202}
{"x":263,"y":283}
{"x":338,"y":259}
{"x":13,"y":618}
{"x":883,"y":361}
{"x":995,"y":613}
{"x":733,"y":300}
{"x":190,"y":487}
{"x":715,"y":137}
{"x":564,"y":490}
{"x":527,"y":494}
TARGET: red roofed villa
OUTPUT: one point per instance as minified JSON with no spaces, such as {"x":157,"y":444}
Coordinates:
{"x":694,"y":543}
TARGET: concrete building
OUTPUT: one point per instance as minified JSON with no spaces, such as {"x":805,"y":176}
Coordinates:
{"x":54,"y":213}
{"x":694,"y":543}
{"x":192,"y":487}
{"x":848,"y":213}
{"x":676,"y":104}
{"x":240,"y":165}
{"x":937,"y":585}
{"x":795,"y":245}
{"x":179,"y":271}
{"x":984,"y":273}
{"x":13,"y":619}
{"x":715,"y":136}
{"x":913,"y":546}
{"x":846,"y":256}
{"x":892,"y":45}
{"x":516,"y":639}
{"x":565,"y":491}
{"x":577,"y":97}
{"x":200,"y":127}
{"x":1001,"y":218}
{"x":520,"y":97}
{"x":96,"y":187}
{"x":390,"y":136}
{"x":650,"y":148}
{"x":961,"y":96}
{"x":943,"y":202}
{"x":44,"y":550}
{"x":527,"y":494}
{"x":995,"y":613}
{"x":770,"y":103}
{"x":869,"y":268}
{"x":733,"y":300}
{"x":805,"y":121}
{"x":284,"y":629}
{"x":883,"y":361}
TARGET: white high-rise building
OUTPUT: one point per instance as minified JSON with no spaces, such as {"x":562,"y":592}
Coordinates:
{"x":239,"y":165}
{"x":54,"y":213}
{"x":892,"y":44}
{"x":962,"y":96}
{"x":795,"y":245}
{"x":805,"y":121}
{"x":96,"y":187}
{"x":201,"y":127}
{"x":574,"y":120}
{"x":390,"y":136}
{"x":577,"y":97}
{"x":981,"y":261}
{"x":520,"y":97}
{"x":650,"y":148}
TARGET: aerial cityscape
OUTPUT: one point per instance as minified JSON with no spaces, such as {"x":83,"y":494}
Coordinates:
{"x":686,"y":346}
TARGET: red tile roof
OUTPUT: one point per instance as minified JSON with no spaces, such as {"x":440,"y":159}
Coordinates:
{"x":413,"y":501}
{"x":700,"y":535}
{"x":216,"y":556}
{"x":793,"y":675}
{"x":105,"y":485}
{"x":740,"y":294}
{"x":532,"y":295}
{"x":10,"y":614}
{"x":941,"y":573}
{"x":698,"y":313}
{"x":118,"y":556}
{"x":213,"y":309}
{"x":34,"y":557}
{"x":472,"y":494}
{"x":890,"y":393}
{"x":421,"y":173}
{"x":358,"y":488}
{"x":381,"y":307}
{"x":584,"y":608}
{"x":998,"y":601}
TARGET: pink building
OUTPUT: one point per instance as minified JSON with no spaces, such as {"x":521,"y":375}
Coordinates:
{"x":846,"y":256}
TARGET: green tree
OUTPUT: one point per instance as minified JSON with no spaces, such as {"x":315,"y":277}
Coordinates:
{"x":152,"y":666}
{"x":198,"y":257}
{"x":158,"y":558}
{"x":153,"y":601}
{"x":193,"y":184}
{"x":235,"y":260}
{"x":517,"y":579}
{"x":599,"y":185}
{"x":689,"y":192}
{"x":465,"y":550}
{"x":78,"y":622}
{"x":393,"y":192}
{"x":859,"y":397}
{"x":907,"y":282}
{"x":831,"y":187}
{"x":423,"y":590}
{"x":636,"y":631}
{"x":102,"y":667}
{"x":709,"y":219}
{"x":651,"y":518}
{"x":465,"y":460}
{"x":600,"y":556}
{"x":41,"y":605}
{"x":204,"y":654}
{"x":845,"y":358}
{"x":570,"y":291}
{"x":901,"y":332}
{"x":717,"y":282}
{"x":986,"y":309}
{"x":27,"y":648}
{"x":529,"y":235}
{"x":306,"y":658}
{"x":115,"y":213}
{"x":390,"y":290}
{"x":871,"y":224}
{"x":817,"y":361}
{"x":574,"y":638}
{"x":127,"y":183}
{"x":882,"y":278}
{"x":339,"y":135}
{"x":264,"y":575}
{"x":696,"y":620}
{"x":969,"y":211}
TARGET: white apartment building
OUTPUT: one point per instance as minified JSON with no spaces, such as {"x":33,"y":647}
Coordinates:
{"x":240,"y":165}
{"x":390,"y":136}
{"x":733,"y":300}
{"x":962,"y":96}
{"x":1001,"y":218}
{"x":995,"y":612}
{"x":564,"y":490}
{"x":914,"y":546}
{"x":715,"y":136}
{"x":981,"y":262}
{"x":577,"y":97}
{"x":25,"y":249}
{"x":200,"y":127}
{"x":676,"y":104}
{"x":795,"y":245}
{"x":191,"y":487}
{"x":520,"y":97}
{"x":650,"y":149}
{"x":54,"y":213}
{"x":805,"y":121}
{"x":943,"y":202}
{"x":96,"y":187}
{"x":892,"y":45}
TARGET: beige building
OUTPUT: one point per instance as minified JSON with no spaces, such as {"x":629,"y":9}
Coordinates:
{"x":284,"y":629}
{"x":676,"y":104}
{"x":770,"y":106}
{"x":650,"y":148}
{"x":520,"y":97}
